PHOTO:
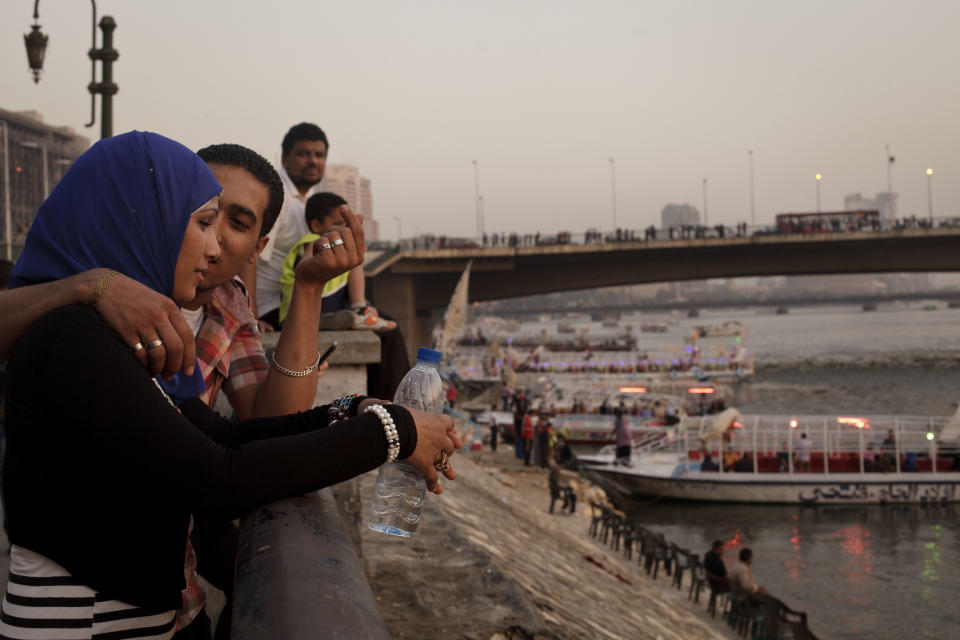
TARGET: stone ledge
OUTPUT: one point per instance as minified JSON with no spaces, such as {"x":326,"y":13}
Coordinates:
{"x":353,"y":347}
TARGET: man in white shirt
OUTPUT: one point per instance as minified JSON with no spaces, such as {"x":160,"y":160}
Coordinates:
{"x":303,"y":160}
{"x":804,"y":447}
{"x":741,"y":577}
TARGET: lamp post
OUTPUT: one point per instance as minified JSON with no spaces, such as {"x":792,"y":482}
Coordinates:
{"x":705,"y":218}
{"x":7,"y":227}
{"x":818,"y":178}
{"x":891,"y":212}
{"x":476,"y":198}
{"x":613,"y":190}
{"x":753,"y":211}
{"x":399,"y":230}
{"x":36,"y":44}
{"x":930,"y":194}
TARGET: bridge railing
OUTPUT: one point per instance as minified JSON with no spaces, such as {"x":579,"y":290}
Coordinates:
{"x":650,"y":233}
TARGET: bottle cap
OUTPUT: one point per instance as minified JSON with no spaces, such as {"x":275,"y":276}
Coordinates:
{"x":429,"y":355}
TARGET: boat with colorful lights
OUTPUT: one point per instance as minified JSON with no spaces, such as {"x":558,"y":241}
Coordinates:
{"x":789,"y":460}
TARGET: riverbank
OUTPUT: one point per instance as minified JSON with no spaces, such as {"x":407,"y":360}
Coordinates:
{"x":491,"y":562}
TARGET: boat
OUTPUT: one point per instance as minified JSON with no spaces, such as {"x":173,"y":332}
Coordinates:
{"x":854,"y":460}
{"x":693,"y":313}
{"x":654,"y":327}
{"x":869,"y":306}
{"x":782,"y":311}
{"x":728,"y":328}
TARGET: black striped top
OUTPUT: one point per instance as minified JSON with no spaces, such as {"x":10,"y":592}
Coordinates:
{"x":43,"y":601}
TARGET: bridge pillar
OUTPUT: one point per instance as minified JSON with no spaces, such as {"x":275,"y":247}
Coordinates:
{"x":396,"y":295}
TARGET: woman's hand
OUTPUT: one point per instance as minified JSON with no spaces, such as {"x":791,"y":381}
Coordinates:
{"x":435,"y":436}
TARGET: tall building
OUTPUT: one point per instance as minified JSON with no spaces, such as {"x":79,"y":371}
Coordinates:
{"x":677,"y":215}
{"x":884,"y":202}
{"x":33,"y":158}
{"x":345,"y":181}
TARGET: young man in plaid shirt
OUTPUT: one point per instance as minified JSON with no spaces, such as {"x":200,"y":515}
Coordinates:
{"x":227,"y":340}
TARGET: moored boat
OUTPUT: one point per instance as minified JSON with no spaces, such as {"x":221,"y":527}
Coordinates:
{"x":878,"y":459}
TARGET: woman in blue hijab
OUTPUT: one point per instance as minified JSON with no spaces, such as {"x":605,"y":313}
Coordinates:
{"x":124,"y":205}
{"x":104,"y":464}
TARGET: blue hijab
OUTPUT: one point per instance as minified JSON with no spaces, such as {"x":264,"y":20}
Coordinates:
{"x":123,"y":205}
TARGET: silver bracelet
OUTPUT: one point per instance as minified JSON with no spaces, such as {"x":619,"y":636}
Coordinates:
{"x":389,"y":429}
{"x":295,"y":374}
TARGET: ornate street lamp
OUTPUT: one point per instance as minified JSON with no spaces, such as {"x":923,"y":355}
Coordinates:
{"x":36,"y":43}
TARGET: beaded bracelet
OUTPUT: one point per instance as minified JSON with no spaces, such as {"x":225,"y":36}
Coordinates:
{"x":295,"y":374}
{"x":339,"y":409}
{"x":389,"y":429}
{"x":101,"y":287}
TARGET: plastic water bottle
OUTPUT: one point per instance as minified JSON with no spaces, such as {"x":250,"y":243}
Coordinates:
{"x":400,"y":490}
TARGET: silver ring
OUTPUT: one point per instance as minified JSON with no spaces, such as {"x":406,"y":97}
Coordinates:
{"x":338,"y":242}
{"x":325,"y":245}
{"x":153,"y":344}
{"x":137,"y":347}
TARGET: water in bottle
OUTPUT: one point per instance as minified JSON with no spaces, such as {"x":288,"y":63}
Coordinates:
{"x":400,"y":489}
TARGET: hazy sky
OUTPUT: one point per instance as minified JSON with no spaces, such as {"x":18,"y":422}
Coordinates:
{"x":541,"y":94}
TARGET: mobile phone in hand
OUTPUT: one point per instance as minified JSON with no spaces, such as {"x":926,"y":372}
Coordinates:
{"x":326,"y":354}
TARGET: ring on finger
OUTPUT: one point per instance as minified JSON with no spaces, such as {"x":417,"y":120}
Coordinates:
{"x":442,"y":465}
{"x":153,"y":344}
{"x":338,"y":242}
{"x":325,"y":245}
{"x":137,"y":347}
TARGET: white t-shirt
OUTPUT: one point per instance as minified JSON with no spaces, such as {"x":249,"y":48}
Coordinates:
{"x":804,"y":446}
{"x":194,"y":319}
{"x":291,"y":225}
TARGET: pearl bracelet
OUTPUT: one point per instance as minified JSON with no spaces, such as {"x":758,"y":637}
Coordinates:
{"x":389,"y":429}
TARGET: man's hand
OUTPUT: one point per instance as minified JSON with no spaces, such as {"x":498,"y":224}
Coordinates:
{"x":322,"y":265}
{"x":140,"y":314}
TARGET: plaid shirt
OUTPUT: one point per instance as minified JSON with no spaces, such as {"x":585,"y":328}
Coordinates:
{"x":228,"y":344}
{"x":231,"y":357}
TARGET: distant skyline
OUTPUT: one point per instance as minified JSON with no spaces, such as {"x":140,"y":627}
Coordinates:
{"x":541,"y":94}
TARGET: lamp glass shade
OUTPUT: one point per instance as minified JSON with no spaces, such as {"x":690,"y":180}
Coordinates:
{"x":36,"y":43}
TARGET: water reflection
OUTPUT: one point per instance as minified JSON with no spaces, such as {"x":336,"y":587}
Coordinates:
{"x":857,"y":571}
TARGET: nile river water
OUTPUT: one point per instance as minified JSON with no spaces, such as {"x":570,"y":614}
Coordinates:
{"x":859,"y":572}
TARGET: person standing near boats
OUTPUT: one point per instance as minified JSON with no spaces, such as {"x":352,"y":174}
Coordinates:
{"x":804,"y":447}
{"x":621,"y":431}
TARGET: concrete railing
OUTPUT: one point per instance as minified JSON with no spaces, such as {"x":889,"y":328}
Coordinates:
{"x":299,"y":575}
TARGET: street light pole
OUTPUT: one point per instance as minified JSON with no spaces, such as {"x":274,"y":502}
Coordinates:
{"x":753,"y":211}
{"x":613,"y":190}
{"x":818,"y":178}
{"x":36,"y":43}
{"x":6,"y":191}
{"x":399,"y":229}
{"x":705,"y":218}
{"x":476,"y":198}
{"x":930,"y":194}
{"x":891,"y":212}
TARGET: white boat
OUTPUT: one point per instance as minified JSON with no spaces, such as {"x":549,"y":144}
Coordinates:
{"x":847,"y":455}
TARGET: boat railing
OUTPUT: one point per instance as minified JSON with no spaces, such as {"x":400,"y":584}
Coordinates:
{"x":839,"y":444}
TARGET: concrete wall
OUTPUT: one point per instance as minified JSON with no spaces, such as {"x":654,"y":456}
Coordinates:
{"x":348,"y":364}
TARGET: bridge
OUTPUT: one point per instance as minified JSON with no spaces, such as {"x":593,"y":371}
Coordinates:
{"x":411,"y":284}
{"x":735,"y":302}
